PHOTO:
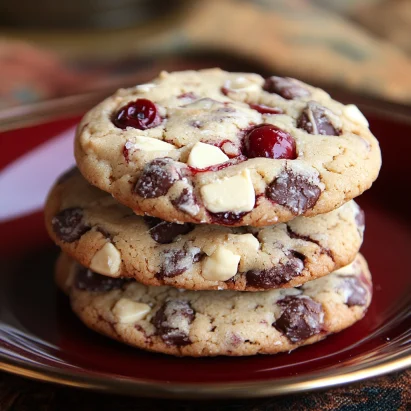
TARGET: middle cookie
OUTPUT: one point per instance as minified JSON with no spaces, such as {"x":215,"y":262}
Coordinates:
{"x":90,"y":226}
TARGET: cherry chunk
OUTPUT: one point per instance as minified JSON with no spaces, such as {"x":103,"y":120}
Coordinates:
{"x":263,"y":109}
{"x":141,"y":114}
{"x":269,"y":141}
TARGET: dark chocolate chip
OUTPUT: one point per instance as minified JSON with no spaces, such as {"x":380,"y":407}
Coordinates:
{"x":286,"y":87}
{"x":176,"y":262}
{"x":164,"y":232}
{"x":69,"y":225}
{"x":226,"y":218}
{"x":88,"y":280}
{"x":68,"y":174}
{"x":293,"y":191}
{"x":275,"y":276}
{"x":186,"y":201}
{"x":354,"y":289}
{"x":157,"y":178}
{"x":301,"y":318}
{"x":315,"y":119}
{"x":196,"y":123}
{"x":172,"y":322}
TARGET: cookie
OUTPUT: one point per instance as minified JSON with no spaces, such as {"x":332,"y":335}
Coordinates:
{"x":101,"y":234}
{"x":229,"y":149}
{"x":210,"y":323}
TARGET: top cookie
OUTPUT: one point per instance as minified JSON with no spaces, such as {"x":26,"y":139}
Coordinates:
{"x":227,"y":148}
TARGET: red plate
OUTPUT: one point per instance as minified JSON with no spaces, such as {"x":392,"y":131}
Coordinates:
{"x":41,"y":338}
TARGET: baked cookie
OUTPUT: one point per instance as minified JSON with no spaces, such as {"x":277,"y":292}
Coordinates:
{"x":97,"y":231}
{"x":229,"y":149}
{"x":209,"y":323}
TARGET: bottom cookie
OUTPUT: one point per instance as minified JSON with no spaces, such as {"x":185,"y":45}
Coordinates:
{"x":210,"y":323}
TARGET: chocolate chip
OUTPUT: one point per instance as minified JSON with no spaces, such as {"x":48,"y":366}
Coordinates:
{"x":172,"y":322}
{"x":293,"y":191}
{"x":186,"y":202}
{"x":315,"y":119}
{"x":176,"y":262}
{"x":68,"y":174}
{"x":88,"y":280}
{"x":286,"y":87}
{"x":301,"y":318}
{"x":157,"y":178}
{"x":69,"y":225}
{"x":275,"y":276}
{"x":196,"y":123}
{"x":164,"y":232}
{"x":354,"y":290}
{"x":226,"y":218}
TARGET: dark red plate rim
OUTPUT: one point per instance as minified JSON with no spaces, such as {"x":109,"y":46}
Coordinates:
{"x":378,"y":344}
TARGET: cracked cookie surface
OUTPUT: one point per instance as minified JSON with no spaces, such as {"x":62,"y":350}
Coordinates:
{"x":101,"y":234}
{"x":227,"y":148}
{"x":210,"y":323}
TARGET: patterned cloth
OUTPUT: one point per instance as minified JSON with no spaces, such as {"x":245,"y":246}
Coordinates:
{"x":387,"y":393}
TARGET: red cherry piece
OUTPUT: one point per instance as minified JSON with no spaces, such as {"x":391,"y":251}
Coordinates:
{"x":263,"y":109}
{"x":141,"y":114}
{"x":270,"y":141}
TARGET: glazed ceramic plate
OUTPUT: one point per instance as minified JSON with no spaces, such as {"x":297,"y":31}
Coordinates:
{"x":40,"y":337}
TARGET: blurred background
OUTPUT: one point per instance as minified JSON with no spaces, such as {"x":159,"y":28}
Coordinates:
{"x":67,"y":55}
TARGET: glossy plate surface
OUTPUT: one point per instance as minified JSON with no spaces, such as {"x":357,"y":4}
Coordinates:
{"x":41,"y":338}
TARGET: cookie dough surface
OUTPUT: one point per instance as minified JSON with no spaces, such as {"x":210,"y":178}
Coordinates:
{"x":101,"y":234}
{"x":184,"y":148}
{"x":210,"y":323}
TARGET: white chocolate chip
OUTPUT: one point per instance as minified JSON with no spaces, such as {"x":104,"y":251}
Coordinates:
{"x":151,"y":144}
{"x":235,"y":194}
{"x":353,"y":113}
{"x":145,"y":88}
{"x":221,"y":265}
{"x":106,"y":261}
{"x":247,"y":240}
{"x":205,"y":103}
{"x":241,"y":84}
{"x":129,"y":311}
{"x":348,"y":269}
{"x":204,"y":155}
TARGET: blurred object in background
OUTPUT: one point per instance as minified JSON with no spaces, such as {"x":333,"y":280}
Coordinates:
{"x":390,"y":19}
{"x":43,"y":14}
{"x":29,"y":74}
{"x":316,"y":40}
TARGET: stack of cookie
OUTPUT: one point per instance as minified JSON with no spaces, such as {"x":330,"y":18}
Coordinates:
{"x":211,"y":214}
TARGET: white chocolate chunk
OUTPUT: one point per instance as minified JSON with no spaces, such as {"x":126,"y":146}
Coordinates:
{"x":348,"y":269}
{"x":242,"y":84}
{"x":145,"y":88}
{"x":235,"y":194}
{"x":106,"y":261}
{"x":151,"y":144}
{"x":353,"y":113}
{"x":221,"y":265}
{"x":204,"y":155}
{"x":129,"y":311}
{"x":247,"y":240}
{"x":205,"y":103}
